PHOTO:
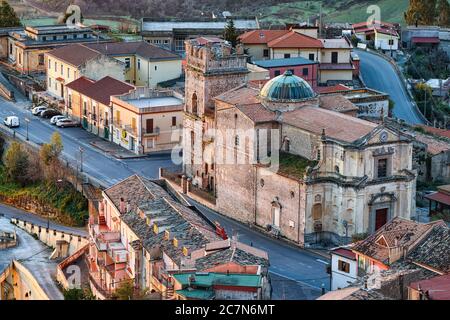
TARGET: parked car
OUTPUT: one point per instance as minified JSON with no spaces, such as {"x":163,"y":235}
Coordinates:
{"x":12,"y":122}
{"x":37,"y":111}
{"x":64,"y":123}
{"x":49,"y":113}
{"x":55,"y":119}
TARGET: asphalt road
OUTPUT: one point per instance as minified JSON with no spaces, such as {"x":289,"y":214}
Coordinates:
{"x":33,"y":254}
{"x":379,"y":74}
{"x":298,"y":274}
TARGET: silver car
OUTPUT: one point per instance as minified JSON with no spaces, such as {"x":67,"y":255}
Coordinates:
{"x":55,"y":119}
{"x":65,"y":123}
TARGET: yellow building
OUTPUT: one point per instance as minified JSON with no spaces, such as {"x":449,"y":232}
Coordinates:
{"x":147,"y":120}
{"x":69,"y":63}
{"x":26,"y":47}
{"x":147,"y":64}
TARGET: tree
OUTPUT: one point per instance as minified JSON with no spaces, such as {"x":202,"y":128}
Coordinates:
{"x":443,"y":10}
{"x":8,"y":17}
{"x":230,"y":34}
{"x":421,"y":12}
{"x":78,"y":294}
{"x":125,"y":291}
{"x":50,"y":152}
{"x":16,"y":164}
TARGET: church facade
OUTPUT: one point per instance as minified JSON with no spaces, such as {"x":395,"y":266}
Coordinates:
{"x":276,"y":158}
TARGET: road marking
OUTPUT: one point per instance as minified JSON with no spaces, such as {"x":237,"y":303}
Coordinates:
{"x":321,"y":261}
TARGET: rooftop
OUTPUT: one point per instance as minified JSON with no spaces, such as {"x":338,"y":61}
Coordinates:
{"x":209,"y":279}
{"x":337,"y":102}
{"x":294,"y":39}
{"x":398,"y":233}
{"x":434,"y":251}
{"x":141,"y":48}
{"x":287,"y":88}
{"x":102,"y":90}
{"x":196,"y":294}
{"x":151,"y":100}
{"x":273,"y":63}
{"x":214,"y":24}
{"x":293,"y":165}
{"x":336,"y":43}
{"x":261,"y":36}
{"x":74,"y":54}
{"x":437,"y":288}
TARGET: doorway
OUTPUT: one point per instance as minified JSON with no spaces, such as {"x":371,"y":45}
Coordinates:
{"x":380,"y":218}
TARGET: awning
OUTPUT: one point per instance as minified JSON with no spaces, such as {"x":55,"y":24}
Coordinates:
{"x":60,"y":79}
{"x":439,"y":197}
{"x":434,"y":40}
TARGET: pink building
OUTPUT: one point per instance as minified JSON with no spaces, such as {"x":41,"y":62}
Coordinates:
{"x":301,"y":67}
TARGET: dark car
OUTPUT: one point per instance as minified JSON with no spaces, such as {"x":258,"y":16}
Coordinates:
{"x":50,"y":113}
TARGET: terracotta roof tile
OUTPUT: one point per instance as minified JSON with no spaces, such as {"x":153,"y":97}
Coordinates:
{"x":246,"y":94}
{"x":102,"y":90}
{"x":261,"y":36}
{"x":257,"y":112}
{"x":398,"y":232}
{"x":80,"y":84}
{"x":437,"y":288}
{"x":295,"y":40}
{"x":332,"y":89}
{"x":142,"y":48}
{"x":337,"y":102}
{"x":337,"y":125}
{"x":74,"y":54}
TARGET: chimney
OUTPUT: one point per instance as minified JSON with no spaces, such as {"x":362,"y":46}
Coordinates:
{"x":122,"y":206}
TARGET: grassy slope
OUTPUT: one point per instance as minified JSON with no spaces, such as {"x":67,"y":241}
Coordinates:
{"x":391,"y":11}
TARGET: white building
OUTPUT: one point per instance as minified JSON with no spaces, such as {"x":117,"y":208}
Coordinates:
{"x":344,"y":268}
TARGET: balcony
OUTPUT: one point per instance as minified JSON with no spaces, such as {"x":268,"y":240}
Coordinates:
{"x":130,"y":129}
{"x":155,"y":132}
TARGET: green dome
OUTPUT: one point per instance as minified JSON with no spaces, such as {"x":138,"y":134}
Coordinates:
{"x":287,"y":88}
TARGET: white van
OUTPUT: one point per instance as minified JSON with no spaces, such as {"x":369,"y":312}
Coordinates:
{"x":12,"y":122}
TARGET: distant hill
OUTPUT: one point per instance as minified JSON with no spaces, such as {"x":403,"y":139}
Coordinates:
{"x":269,"y":11}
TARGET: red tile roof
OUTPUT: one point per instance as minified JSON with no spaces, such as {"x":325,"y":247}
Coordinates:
{"x":337,"y":125}
{"x":257,"y":112}
{"x":295,"y":40}
{"x":333,"y":89}
{"x":337,"y":102}
{"x":344,"y":252}
{"x":437,"y":131}
{"x":74,"y":54}
{"x":437,"y":288}
{"x":102,"y":90}
{"x":439,"y":197}
{"x":80,"y":84}
{"x":261,"y":36}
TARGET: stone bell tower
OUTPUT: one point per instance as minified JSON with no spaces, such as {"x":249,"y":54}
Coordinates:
{"x":212,"y":68}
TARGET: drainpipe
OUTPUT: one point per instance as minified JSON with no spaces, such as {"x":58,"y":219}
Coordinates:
{"x":299,"y":210}
{"x":255,"y":183}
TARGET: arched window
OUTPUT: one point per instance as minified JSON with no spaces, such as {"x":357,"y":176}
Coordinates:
{"x":276,"y":213}
{"x":336,"y":169}
{"x":194,"y":103}
{"x":317,"y":212}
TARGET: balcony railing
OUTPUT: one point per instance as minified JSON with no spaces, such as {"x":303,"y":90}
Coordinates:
{"x":155,"y":132}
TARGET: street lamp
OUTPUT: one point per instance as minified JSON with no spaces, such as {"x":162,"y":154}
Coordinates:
{"x":27,"y":121}
{"x":81,"y":159}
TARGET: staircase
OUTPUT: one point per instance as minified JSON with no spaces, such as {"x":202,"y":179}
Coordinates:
{"x":101,"y":220}
{"x":170,"y":293}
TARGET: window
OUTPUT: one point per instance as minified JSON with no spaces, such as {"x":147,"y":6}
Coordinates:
{"x":194,"y":103}
{"x":156,"y":68}
{"x":69,"y":99}
{"x":10,"y":48}
{"x":127,"y":63}
{"x":85,"y":35}
{"x":41,"y":59}
{"x":49,"y":82}
{"x":287,"y":146}
{"x":68,"y":72}
{"x":174,"y":121}
{"x":44,"y":38}
{"x":149,"y":126}
{"x":54,"y":38}
{"x":84,"y":108}
{"x":266,"y":53}
{"x":382,"y":168}
{"x":236,"y":140}
{"x":62,"y":69}
{"x":343,"y":266}
{"x":287,"y":55}
{"x":65,"y":37}
{"x":277,"y":73}
{"x":56,"y":66}
{"x":312,"y":57}
{"x":336,"y":169}
{"x":139,"y":64}
{"x":334,"y":57}
{"x":49,"y":64}
{"x":20,"y":58}
{"x":305,"y":72}
{"x":317,"y":212}
{"x":291,"y":71}
{"x":391,"y":42}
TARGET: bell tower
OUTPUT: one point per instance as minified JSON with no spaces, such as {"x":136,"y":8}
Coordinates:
{"x":212,"y":68}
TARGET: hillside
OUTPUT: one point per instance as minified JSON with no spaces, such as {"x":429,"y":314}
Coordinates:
{"x":268,"y":11}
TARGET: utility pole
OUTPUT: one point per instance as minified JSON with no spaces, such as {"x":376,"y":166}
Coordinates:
{"x":27,"y":122}
{"x":320,"y":21}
